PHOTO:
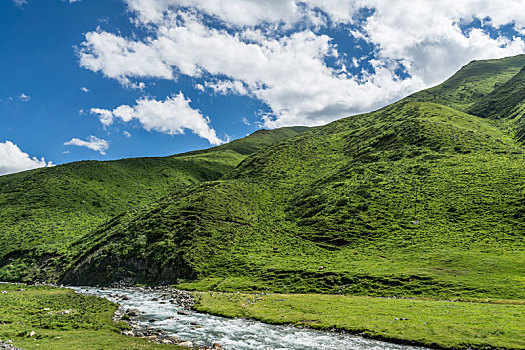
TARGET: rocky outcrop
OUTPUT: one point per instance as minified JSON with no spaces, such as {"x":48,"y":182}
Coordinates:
{"x":109,"y":270}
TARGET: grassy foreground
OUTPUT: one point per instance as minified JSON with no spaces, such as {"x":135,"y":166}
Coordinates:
{"x":62,"y":319}
{"x":494,"y":324}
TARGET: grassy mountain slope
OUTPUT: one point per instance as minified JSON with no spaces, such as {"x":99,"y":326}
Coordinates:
{"x":47,"y":208}
{"x":506,"y":101}
{"x":472,"y":82}
{"x":415,"y":199}
{"x":418,"y":198}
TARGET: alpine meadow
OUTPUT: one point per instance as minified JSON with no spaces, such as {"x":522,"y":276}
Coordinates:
{"x":346,"y":226}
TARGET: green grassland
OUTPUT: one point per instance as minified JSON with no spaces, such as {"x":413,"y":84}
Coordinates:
{"x":86,"y":325}
{"x":472,"y":83}
{"x":42,"y":211}
{"x":506,"y":101}
{"x":432,"y":323}
{"x":424,"y":198}
{"x":368,"y":206}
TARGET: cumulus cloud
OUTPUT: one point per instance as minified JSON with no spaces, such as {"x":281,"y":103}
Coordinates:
{"x":255,"y":12}
{"x":119,"y":58}
{"x":289,"y":73}
{"x":288,"y":69}
{"x":172,"y":116}
{"x":250,"y":12}
{"x":84,"y":89}
{"x":105,"y":116}
{"x":92,"y":142}
{"x":13,"y":159}
{"x":126,"y":134}
{"x":428,"y":39}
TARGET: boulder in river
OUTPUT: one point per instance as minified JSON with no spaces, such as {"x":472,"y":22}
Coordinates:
{"x":133,"y":312}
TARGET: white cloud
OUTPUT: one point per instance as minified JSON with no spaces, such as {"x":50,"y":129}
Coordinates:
{"x":226,"y":87}
{"x":84,"y":89}
{"x":105,"y":116}
{"x":171,"y":116}
{"x":119,"y":58}
{"x":243,"y":12}
{"x":255,"y":12}
{"x":126,"y":134}
{"x":92,"y":142}
{"x":199,"y":87}
{"x":251,"y":12}
{"x":24,"y":98}
{"x":429,"y":40}
{"x":289,"y":72}
{"x":13,"y":159}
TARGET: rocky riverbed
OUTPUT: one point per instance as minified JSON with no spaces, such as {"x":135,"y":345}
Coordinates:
{"x":163,"y":295}
{"x":165,"y":315}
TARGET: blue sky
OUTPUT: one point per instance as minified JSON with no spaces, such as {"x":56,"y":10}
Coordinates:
{"x":93,"y":79}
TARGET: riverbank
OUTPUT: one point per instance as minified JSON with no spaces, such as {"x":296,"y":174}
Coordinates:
{"x":42,"y":317}
{"x":490,"y":324}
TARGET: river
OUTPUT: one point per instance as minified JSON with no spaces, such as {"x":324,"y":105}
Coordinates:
{"x":233,"y":334}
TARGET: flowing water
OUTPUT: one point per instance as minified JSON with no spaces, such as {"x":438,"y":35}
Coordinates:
{"x":232,"y":334}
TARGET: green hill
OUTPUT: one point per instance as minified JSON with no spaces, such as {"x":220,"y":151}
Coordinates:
{"x":418,"y":198}
{"x":46,"y":209}
{"x":506,"y":101}
{"x":415,"y":199}
{"x":420,"y":203}
{"x":472,"y":83}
